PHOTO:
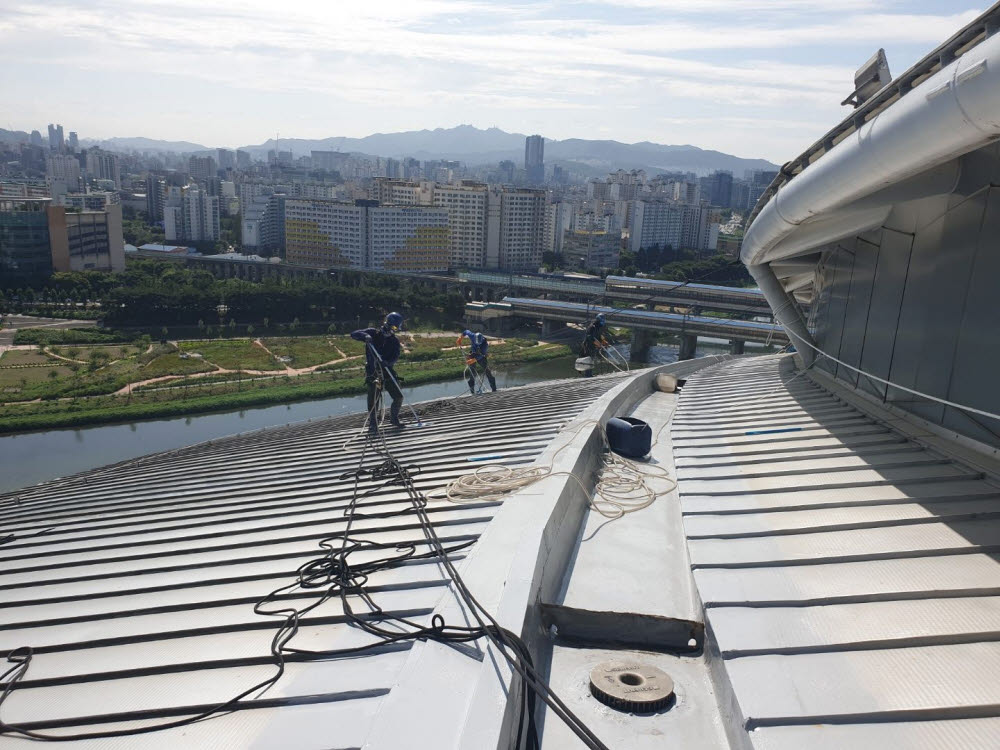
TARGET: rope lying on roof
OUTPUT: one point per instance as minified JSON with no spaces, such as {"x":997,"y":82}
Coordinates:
{"x":623,"y":486}
{"x":338,"y":574}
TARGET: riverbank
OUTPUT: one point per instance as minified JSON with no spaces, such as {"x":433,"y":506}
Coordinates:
{"x":186,"y":396}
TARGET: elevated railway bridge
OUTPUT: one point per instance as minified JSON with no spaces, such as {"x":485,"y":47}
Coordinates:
{"x":554,"y":315}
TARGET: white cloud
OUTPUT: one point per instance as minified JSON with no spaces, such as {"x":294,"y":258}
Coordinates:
{"x":564,"y":68}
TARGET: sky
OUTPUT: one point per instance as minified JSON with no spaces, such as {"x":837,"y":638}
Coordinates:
{"x":754,"y":78}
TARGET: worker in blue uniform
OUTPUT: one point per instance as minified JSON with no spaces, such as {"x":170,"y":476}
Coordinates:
{"x":595,"y":338}
{"x":478,"y":356}
{"x":383,"y":340}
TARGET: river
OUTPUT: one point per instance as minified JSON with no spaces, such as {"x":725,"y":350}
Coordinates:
{"x":34,"y":457}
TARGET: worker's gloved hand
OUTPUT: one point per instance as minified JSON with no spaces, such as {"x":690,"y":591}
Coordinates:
{"x":368,"y":339}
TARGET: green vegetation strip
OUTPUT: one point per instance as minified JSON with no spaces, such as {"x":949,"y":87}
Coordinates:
{"x":76,"y":413}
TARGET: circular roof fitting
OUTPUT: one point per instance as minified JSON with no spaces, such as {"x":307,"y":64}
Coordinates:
{"x":631,"y":686}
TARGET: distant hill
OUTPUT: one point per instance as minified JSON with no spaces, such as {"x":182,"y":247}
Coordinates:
{"x":474,"y":147}
{"x":13,"y":136}
{"x":143,"y":144}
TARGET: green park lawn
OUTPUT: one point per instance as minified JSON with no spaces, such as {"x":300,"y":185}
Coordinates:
{"x":235,"y":354}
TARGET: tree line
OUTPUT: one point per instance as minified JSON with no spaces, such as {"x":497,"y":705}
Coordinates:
{"x":151,"y":292}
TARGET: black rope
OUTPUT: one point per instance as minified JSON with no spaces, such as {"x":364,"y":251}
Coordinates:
{"x":338,"y":574}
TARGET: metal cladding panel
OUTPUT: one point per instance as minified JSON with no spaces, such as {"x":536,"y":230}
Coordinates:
{"x":136,"y":584}
{"x":977,"y":351}
{"x":946,"y":300}
{"x":843,"y":592}
{"x":858,"y":303}
{"x":841,"y":269}
{"x":917,"y":306}
{"x":887,"y":295}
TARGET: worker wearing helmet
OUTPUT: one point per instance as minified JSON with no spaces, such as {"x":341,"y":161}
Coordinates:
{"x":478,"y":348}
{"x":383,"y":340}
{"x":595,"y":338}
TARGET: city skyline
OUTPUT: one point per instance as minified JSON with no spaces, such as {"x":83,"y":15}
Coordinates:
{"x":759,"y":79}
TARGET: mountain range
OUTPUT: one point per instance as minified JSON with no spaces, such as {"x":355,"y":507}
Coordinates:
{"x":475,"y":147}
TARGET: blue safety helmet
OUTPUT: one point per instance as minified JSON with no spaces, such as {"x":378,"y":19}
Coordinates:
{"x":394,"y":321}
{"x":600,"y":320}
{"x":468,"y":333}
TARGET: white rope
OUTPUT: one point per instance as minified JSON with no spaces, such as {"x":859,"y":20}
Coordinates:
{"x":622,"y":487}
{"x":889,"y":383}
{"x":624,"y":367}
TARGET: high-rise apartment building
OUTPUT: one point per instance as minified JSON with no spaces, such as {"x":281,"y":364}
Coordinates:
{"x":655,"y":223}
{"x":721,"y":189}
{"x":243,"y":160}
{"x":366,"y":235}
{"x":226,"y":158}
{"x":408,"y":238}
{"x":74,"y":141}
{"x":193,"y":216}
{"x":515,"y":229}
{"x":103,"y":165}
{"x":534,"y":159}
{"x":558,"y":218}
{"x":325,"y":233}
{"x":760,"y":179}
{"x":467,"y":216}
{"x":263,"y":224}
{"x":64,"y":170}
{"x":672,"y":224}
{"x":156,"y":197}
{"x":201,"y":168}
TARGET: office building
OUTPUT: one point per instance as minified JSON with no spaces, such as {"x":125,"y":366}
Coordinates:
{"x":243,"y":160}
{"x":74,"y":141}
{"x":38,"y":238}
{"x":87,"y":240}
{"x":56,"y":142}
{"x":35,"y":139}
{"x":25,"y":250}
{"x":191,"y":215}
{"x":586,"y":249}
{"x":93,"y":201}
{"x":534,"y":159}
{"x":24,"y":190}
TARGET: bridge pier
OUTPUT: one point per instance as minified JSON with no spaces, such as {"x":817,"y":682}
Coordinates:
{"x":736,"y":346}
{"x":689,"y":342}
{"x":640,"y":344}
{"x":552,"y":327}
